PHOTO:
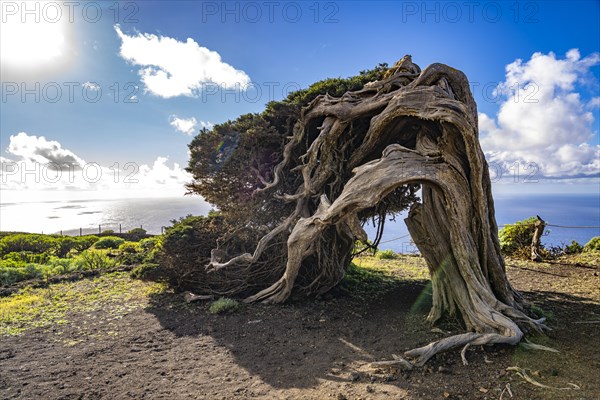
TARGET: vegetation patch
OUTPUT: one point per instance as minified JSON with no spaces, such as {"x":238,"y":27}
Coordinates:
{"x":115,"y":294}
{"x":224,"y":306}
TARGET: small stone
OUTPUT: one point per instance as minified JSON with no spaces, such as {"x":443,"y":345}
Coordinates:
{"x":341,"y":396}
{"x":370,"y":389}
{"x":354,"y":376}
{"x":443,"y":370}
{"x":483,"y":390}
{"x":446,"y":394}
{"x":554,"y":372}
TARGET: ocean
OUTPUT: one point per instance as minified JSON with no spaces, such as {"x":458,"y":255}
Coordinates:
{"x":152,"y":214}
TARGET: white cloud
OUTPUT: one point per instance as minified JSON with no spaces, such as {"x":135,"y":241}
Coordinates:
{"x":171,"y":68}
{"x":42,"y":151}
{"x":91,"y":86}
{"x":31,"y":168}
{"x":187,"y":126}
{"x":594,"y":103}
{"x":543,"y":119}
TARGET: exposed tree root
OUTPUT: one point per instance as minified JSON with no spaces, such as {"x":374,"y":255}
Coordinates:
{"x":523,"y":374}
{"x":364,"y":155}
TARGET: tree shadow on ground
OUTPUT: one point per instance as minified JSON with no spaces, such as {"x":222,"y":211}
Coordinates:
{"x":299,"y":344}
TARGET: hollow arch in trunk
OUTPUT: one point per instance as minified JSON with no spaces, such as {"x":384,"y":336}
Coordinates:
{"x":422,"y":129}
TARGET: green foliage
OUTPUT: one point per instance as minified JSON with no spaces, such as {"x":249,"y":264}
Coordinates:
{"x":85,"y":242}
{"x":109,"y":242}
{"x":147,"y":271}
{"x":386,"y":255}
{"x":41,"y":256}
{"x":573,"y":248}
{"x":366,"y":281}
{"x":592,"y":245}
{"x":137,"y":234}
{"x":186,"y":246}
{"x":515,"y":239}
{"x":224,"y":305}
{"x":26,"y":243}
{"x":108,"y":232}
{"x":130,"y":247}
{"x":234,"y":159}
{"x":27,"y":257}
{"x":94,"y":259}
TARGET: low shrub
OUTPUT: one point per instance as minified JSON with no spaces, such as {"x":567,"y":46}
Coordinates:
{"x":515,"y":239}
{"x":109,"y":242}
{"x":592,"y":245}
{"x":33,"y":243}
{"x":186,"y":247}
{"x":224,"y":305}
{"x":386,"y":255}
{"x":573,"y":248}
{"x":94,"y":259}
{"x":130,"y":247}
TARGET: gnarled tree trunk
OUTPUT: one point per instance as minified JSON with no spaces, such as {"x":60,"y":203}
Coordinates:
{"x":413,"y":127}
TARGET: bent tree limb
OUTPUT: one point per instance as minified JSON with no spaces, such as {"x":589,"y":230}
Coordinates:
{"x":363,"y":152}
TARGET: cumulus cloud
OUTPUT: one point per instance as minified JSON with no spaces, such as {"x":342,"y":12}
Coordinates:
{"x":543,"y":120}
{"x":188,"y":125}
{"x":40,"y":150}
{"x":171,"y":68}
{"x":37,"y":164}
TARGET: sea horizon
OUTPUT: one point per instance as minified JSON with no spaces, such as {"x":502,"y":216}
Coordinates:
{"x":90,"y":216}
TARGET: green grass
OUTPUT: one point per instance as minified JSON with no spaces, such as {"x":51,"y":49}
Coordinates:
{"x":115,"y":294}
{"x":373,"y":276}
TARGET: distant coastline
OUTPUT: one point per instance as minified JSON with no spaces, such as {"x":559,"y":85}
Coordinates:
{"x":154,"y":213}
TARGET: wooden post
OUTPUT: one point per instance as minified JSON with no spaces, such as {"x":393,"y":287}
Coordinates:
{"x":120,"y":228}
{"x":99,"y":229}
{"x":540,"y":224}
{"x":80,"y":232}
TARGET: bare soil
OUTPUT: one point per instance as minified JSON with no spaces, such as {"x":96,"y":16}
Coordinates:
{"x":307,"y":349}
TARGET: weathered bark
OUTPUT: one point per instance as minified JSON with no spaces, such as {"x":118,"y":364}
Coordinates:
{"x":536,"y":242}
{"x":420,"y":127}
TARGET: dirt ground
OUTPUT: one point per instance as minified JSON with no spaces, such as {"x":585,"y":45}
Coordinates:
{"x":306,"y":349}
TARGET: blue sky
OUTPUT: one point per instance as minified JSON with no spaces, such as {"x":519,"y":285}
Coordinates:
{"x":83,"y":84}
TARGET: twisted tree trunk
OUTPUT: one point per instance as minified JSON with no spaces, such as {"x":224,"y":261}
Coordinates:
{"x":412,"y":127}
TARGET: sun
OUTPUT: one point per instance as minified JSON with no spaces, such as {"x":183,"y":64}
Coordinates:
{"x":33,"y":45}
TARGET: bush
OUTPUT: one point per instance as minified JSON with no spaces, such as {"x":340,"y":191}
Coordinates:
{"x":108,"y":232}
{"x":186,"y":247}
{"x":27,"y":257}
{"x":148,"y":244}
{"x":27,"y":242}
{"x":130,"y":247}
{"x":137,"y":234}
{"x":592,"y":245}
{"x":85,"y":242}
{"x":386,"y":255}
{"x":94,"y":259}
{"x":224,"y":305}
{"x":515,"y":239}
{"x":109,"y":242}
{"x":573,"y":248}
